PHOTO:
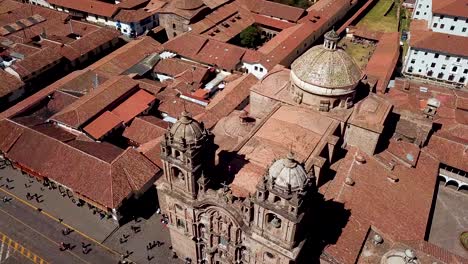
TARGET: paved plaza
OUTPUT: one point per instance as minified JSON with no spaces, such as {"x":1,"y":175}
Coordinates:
{"x":49,"y":215}
{"x":450,"y":219}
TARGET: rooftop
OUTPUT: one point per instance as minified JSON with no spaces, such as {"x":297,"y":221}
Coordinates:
{"x":437,"y":42}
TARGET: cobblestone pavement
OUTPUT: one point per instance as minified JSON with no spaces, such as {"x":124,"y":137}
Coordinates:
{"x":450,"y":219}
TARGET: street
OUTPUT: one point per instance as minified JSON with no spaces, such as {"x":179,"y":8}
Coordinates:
{"x":41,"y":235}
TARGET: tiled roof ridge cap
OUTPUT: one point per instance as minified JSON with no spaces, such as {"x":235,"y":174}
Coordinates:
{"x":61,"y":142}
{"x":73,"y":107}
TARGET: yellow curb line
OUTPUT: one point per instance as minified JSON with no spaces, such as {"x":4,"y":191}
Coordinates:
{"x":28,"y":251}
{"x":56,"y":219}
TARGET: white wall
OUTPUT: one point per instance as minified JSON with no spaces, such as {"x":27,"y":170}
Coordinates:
{"x":450,"y":25}
{"x":255,"y":69}
{"x":423,"y":10}
{"x":421,"y":62}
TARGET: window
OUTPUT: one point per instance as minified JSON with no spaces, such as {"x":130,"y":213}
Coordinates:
{"x":276,"y":199}
{"x":455,"y":68}
{"x":435,"y":25}
{"x":462,"y":79}
{"x":433,"y":65}
{"x":180,"y":223}
{"x":465,"y":71}
{"x":452,"y":27}
{"x":440,"y":75}
{"x":450,"y":78}
{"x":425,"y":53}
{"x":455,"y":19}
{"x":419,"y":70}
{"x":174,"y":34}
{"x":261,"y":69}
{"x":173,"y":26}
{"x":463,"y":29}
{"x":441,"y":17}
{"x":425,"y":13}
{"x":444,"y":66}
{"x":458,"y":59}
{"x":410,"y":69}
{"x":269,"y":255}
{"x":256,"y":68}
{"x":429,"y":73}
{"x":442,"y":25}
{"x":417,"y":12}
{"x":273,"y":220}
{"x":447,"y":57}
{"x":436,"y":55}
{"x":415,"y":52}
{"x":413,"y":61}
{"x":419,"y":5}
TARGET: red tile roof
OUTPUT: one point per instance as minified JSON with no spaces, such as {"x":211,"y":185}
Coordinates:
{"x":273,"y":9}
{"x":450,"y":7}
{"x":174,"y":67}
{"x":271,"y":22}
{"x":225,"y":102}
{"x":129,"y":4}
{"x":9,"y":83}
{"x":437,"y":42}
{"x":383,"y":61}
{"x":143,"y":129}
{"x":131,"y":15}
{"x":209,"y":51}
{"x":376,"y":201}
{"x":104,"y":123}
{"x":105,"y":183}
{"x":88,"y":6}
{"x":94,"y":102}
{"x":134,"y":105}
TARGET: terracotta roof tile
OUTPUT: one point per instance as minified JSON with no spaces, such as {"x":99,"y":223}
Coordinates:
{"x":105,"y":183}
{"x":131,"y":15}
{"x":271,"y":22}
{"x":450,"y":7}
{"x":273,"y":9}
{"x":437,"y":42}
{"x":383,"y":61}
{"x":134,"y":105}
{"x":88,"y":6}
{"x":94,"y":102}
{"x":9,"y":83}
{"x":142,"y":130}
{"x":129,"y":4}
{"x":104,"y":123}
{"x":376,"y":201}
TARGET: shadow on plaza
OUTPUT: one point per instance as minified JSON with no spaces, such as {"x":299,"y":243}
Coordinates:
{"x":140,"y":207}
{"x":328,"y":218}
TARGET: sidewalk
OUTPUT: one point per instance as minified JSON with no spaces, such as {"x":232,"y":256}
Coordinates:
{"x":52,"y":202}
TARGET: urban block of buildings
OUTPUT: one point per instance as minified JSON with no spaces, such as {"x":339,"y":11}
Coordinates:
{"x":285,"y":153}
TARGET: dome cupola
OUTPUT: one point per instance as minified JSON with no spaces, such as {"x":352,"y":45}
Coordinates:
{"x":186,"y":129}
{"x":287,"y":174}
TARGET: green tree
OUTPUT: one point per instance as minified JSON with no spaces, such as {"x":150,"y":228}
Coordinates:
{"x":250,"y":37}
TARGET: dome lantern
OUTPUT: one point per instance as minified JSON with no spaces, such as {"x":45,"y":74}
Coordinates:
{"x":331,"y":39}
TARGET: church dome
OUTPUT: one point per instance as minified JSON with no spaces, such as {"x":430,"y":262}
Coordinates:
{"x":324,"y":68}
{"x":287,"y":174}
{"x":188,"y":4}
{"x":186,"y":129}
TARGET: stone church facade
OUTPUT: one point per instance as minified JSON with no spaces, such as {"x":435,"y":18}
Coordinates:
{"x":208,"y":224}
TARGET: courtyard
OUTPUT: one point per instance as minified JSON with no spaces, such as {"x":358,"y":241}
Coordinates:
{"x":450,"y":218}
{"x":359,"y":49}
{"x":382,"y":17}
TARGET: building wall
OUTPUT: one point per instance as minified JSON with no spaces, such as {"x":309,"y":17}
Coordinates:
{"x":436,"y":66}
{"x":174,"y":24}
{"x":364,"y":139}
{"x":450,"y":25}
{"x":423,"y":10}
{"x":255,"y":69}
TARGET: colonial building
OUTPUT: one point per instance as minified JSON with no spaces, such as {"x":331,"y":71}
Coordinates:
{"x":215,"y":226}
{"x":256,"y":207}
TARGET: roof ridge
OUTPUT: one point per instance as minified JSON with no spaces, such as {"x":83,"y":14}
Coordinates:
{"x":60,"y":142}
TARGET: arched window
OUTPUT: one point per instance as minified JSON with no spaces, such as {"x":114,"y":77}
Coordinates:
{"x":273,"y":220}
{"x":177,"y":174}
